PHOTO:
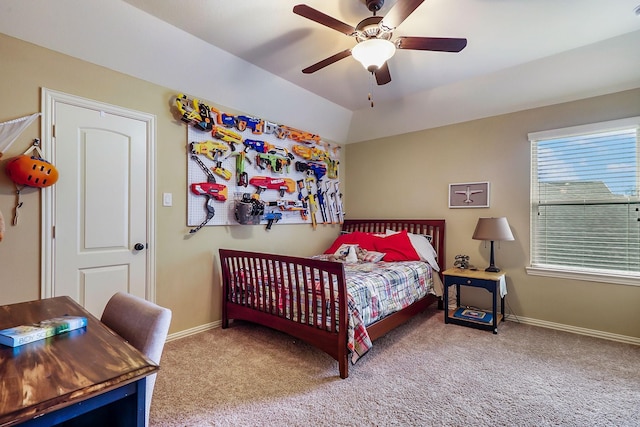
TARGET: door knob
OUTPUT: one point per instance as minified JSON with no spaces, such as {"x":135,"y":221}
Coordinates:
{"x":138,"y":246}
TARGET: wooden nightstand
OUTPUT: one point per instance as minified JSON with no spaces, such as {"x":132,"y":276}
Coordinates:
{"x":492,"y":282}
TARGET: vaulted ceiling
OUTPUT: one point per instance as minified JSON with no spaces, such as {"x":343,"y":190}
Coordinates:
{"x":520,"y":54}
{"x":501,"y":34}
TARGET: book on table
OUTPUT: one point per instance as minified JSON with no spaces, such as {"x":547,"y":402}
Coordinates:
{"x":23,"y":334}
{"x":473,"y":314}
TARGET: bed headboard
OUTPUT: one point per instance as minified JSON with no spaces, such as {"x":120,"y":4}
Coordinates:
{"x":432,"y":227}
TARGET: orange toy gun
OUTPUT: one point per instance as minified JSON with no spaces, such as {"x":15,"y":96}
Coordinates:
{"x":296,"y":135}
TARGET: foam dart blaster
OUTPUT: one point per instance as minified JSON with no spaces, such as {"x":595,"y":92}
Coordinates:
{"x":332,"y":168}
{"x":318,"y":169}
{"x":211,"y":149}
{"x":313,"y":207}
{"x":195,"y":112}
{"x":301,"y":197}
{"x":242,"y":178}
{"x":329,"y":203}
{"x":291,"y":205}
{"x":296,"y":135}
{"x":329,"y":147}
{"x":321,"y":202}
{"x":257,"y":145}
{"x":210,"y":189}
{"x":255,"y":124}
{"x":267,"y":183}
{"x":278,"y":163}
{"x":227,"y":135}
{"x":220,"y":171}
{"x":227,"y":120}
{"x":311,"y":153}
{"x":338,"y":200}
{"x":270,"y":127}
{"x":272,"y":217}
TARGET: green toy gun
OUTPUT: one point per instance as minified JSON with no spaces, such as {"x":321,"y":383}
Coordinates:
{"x":275,"y":162}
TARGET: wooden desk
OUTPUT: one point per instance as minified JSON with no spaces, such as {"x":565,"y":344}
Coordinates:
{"x":70,"y":376}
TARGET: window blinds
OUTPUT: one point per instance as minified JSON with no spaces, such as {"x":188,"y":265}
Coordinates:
{"x":585,"y":204}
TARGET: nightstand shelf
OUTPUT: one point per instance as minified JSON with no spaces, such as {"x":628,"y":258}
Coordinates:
{"x":499,"y":315}
{"x":492,"y":282}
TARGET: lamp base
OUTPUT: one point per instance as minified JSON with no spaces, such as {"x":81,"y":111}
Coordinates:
{"x":492,"y":269}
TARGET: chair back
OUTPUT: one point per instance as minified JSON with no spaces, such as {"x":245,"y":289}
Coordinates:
{"x":143,"y":324}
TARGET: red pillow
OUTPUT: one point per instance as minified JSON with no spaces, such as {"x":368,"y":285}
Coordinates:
{"x":364,"y":240}
{"x":397,"y":247}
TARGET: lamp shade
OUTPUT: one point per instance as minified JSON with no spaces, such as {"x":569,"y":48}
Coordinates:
{"x":493,"y":229}
{"x":373,"y":53}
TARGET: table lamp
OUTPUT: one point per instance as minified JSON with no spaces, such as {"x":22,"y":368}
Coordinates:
{"x":492,"y":229}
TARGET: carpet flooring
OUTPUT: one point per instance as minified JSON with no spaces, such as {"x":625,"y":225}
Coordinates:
{"x":424,"y":373}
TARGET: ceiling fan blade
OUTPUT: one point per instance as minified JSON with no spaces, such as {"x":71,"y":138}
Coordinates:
{"x":441,"y":44}
{"x":382,"y":75}
{"x":321,"y":18}
{"x":328,"y":61}
{"x":399,"y":12}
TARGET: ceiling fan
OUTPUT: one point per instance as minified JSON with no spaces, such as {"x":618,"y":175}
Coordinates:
{"x":374,"y":35}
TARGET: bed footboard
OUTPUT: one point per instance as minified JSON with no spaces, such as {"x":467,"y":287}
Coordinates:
{"x":302,"y":297}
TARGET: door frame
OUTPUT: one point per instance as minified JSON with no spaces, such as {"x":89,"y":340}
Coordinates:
{"x":47,"y":196}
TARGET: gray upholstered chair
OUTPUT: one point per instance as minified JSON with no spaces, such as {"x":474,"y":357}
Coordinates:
{"x":143,"y":324}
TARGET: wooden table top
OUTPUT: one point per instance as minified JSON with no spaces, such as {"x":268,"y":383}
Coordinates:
{"x":473,"y":274}
{"x":49,"y":374}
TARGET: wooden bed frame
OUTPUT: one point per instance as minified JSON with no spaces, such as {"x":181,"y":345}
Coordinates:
{"x":240,"y":269}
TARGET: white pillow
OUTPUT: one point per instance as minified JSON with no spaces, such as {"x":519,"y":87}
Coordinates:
{"x":423,"y":247}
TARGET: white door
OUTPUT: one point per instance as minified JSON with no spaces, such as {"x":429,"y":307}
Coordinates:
{"x":100,"y":209}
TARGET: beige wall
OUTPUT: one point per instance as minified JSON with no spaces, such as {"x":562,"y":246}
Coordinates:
{"x":187,"y":267}
{"x":407,"y":176}
{"x":401,"y":177}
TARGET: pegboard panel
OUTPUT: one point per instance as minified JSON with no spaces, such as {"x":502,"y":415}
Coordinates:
{"x":293,"y":173}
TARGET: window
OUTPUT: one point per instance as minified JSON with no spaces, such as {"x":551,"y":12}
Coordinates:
{"x":585,"y":204}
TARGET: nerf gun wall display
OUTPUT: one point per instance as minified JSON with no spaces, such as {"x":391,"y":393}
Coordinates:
{"x":275,"y":159}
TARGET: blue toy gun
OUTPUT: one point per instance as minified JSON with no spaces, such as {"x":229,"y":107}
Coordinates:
{"x":272,"y":217}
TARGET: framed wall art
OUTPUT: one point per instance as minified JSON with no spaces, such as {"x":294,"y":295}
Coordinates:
{"x":469,"y":195}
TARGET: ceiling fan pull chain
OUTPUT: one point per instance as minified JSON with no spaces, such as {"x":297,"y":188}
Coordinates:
{"x":370,"y":98}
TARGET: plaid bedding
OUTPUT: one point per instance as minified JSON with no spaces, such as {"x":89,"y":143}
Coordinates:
{"x":374,"y":290}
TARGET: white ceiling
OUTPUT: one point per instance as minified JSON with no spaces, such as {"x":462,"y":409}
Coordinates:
{"x":501,"y":34}
{"x":520,"y":54}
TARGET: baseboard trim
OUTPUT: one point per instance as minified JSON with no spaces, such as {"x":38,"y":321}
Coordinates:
{"x":509,"y":317}
{"x":193,"y":331}
{"x":574,"y":329}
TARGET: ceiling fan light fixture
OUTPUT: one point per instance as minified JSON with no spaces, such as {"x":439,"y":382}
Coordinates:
{"x":373,"y":53}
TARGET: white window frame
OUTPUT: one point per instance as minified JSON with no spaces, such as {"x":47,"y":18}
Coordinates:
{"x":607,"y":276}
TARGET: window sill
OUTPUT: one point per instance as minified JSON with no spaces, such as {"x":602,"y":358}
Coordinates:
{"x":591,"y":276}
